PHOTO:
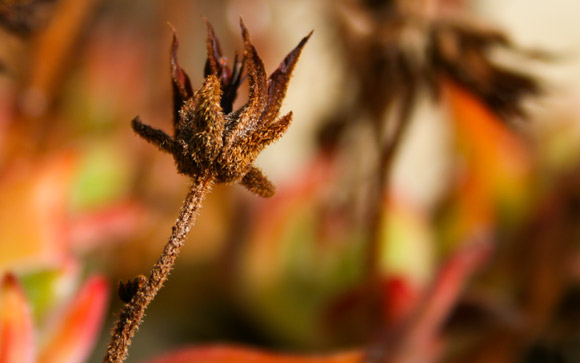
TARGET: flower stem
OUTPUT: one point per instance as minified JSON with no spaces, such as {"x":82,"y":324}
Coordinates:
{"x":133,"y":312}
{"x":386,"y":161}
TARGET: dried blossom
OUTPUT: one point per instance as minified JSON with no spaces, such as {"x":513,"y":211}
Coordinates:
{"x":24,"y":17}
{"x":210,"y":143}
{"x":210,"y":138}
{"x":397,"y":45}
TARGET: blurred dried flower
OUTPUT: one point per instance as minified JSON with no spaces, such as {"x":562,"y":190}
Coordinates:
{"x":25,"y":16}
{"x":399,"y":45}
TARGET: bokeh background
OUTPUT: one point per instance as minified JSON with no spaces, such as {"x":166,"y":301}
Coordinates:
{"x":82,"y":195}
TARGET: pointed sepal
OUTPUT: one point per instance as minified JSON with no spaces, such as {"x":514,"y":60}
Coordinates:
{"x":263,"y":137}
{"x":180,"y":83}
{"x":208,"y":123}
{"x":126,"y":290}
{"x":154,"y":136}
{"x":258,"y":96}
{"x":268,"y":133}
{"x":214,"y":64}
{"x":278,"y":81}
{"x":256,"y":182}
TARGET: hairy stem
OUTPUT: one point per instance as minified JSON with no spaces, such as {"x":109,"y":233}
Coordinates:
{"x":133,"y":312}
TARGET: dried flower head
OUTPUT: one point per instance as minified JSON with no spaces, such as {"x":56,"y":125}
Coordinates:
{"x":211,"y":139}
{"x":397,"y":46}
{"x":24,"y":17}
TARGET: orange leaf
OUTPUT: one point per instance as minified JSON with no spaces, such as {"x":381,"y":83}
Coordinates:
{"x":495,"y":153}
{"x":16,"y":326}
{"x":497,"y":169}
{"x":33,"y":198}
{"x":226,"y":354}
{"x":75,"y":335}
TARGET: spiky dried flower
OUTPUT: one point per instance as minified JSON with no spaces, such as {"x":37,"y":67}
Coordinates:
{"x":210,"y":143}
{"x":210,"y":138}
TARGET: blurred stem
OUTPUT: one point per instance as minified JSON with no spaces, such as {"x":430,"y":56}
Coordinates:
{"x":386,"y":159}
{"x":413,"y":340}
{"x":133,"y":312}
{"x":54,"y":48}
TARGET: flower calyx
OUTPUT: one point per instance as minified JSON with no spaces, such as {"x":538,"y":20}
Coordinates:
{"x":209,"y":137}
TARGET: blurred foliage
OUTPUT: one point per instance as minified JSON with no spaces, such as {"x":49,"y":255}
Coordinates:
{"x":343,"y":258}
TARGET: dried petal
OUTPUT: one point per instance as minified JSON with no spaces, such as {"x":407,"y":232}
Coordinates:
{"x":259,"y":139}
{"x":154,"y":136}
{"x":180,"y":83}
{"x":214,"y":64}
{"x":269,"y":133}
{"x":278,"y":82}
{"x":256,"y":182}
{"x":209,"y":122}
{"x":251,"y":114}
{"x":230,"y":89}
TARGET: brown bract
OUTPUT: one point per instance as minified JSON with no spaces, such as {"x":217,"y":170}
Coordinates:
{"x":126,"y":290}
{"x":210,"y":139}
{"x":25,"y":17}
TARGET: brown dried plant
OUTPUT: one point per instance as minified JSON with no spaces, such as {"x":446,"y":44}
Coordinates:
{"x":210,"y":144}
{"x":24,"y":17}
{"x":397,"y":49}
